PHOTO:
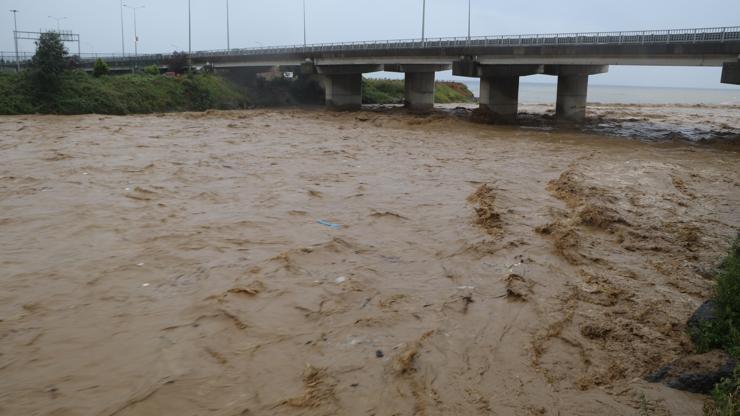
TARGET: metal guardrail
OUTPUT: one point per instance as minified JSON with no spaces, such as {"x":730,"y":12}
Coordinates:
{"x":699,"y":35}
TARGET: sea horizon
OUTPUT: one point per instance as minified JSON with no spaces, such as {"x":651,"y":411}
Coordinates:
{"x":545,"y":93}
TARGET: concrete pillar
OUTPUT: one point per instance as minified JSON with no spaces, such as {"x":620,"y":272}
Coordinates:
{"x":343,"y":84}
{"x":419,"y":84}
{"x":499,"y":97}
{"x":419,"y":88}
{"x":573,"y":89}
{"x":499,"y":86}
{"x":344,"y":91}
{"x":572,"y":95}
{"x":731,"y":73}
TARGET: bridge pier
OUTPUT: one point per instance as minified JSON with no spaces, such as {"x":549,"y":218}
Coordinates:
{"x":343,"y":91}
{"x":418,"y":84}
{"x":573,"y":89}
{"x":343,"y":84}
{"x":499,"y":87}
{"x":731,"y":73}
{"x":499,"y":98}
{"x":419,"y":91}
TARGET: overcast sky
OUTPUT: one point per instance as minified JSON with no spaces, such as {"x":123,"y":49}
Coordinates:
{"x":163,"y":24}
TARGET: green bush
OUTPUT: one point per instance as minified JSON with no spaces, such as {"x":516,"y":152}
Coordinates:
{"x":151,"y":70}
{"x":100,"y":68}
{"x":79,"y":93}
{"x":726,"y":396}
{"x":724,"y":331}
{"x":383,"y":91}
{"x":16,"y":94}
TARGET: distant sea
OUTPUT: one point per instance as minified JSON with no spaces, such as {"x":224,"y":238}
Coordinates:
{"x":531,"y":93}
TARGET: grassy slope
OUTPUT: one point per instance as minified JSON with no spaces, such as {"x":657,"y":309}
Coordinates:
{"x":126,"y":94}
{"x":141,"y":93}
{"x":391,"y":91}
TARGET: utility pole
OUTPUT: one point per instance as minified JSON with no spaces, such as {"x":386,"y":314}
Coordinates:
{"x":58,"y":19}
{"x":123,"y":36}
{"x":15,"y":39}
{"x":423,"y":20}
{"x":228,"y":29}
{"x":304,"y":23}
{"x":190,"y":39}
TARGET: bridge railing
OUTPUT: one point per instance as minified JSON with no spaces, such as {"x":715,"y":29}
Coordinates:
{"x":698,"y":35}
{"x":720,"y":34}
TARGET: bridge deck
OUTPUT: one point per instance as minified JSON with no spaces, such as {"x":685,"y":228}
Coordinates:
{"x":700,"y":46}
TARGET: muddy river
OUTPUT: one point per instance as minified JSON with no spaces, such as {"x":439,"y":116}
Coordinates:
{"x":302,"y":262}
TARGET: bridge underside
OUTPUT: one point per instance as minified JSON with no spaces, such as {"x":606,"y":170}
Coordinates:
{"x":498,"y":63}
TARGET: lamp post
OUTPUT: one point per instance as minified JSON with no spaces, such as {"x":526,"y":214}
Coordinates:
{"x":190,"y":39}
{"x":228,"y":28}
{"x":58,"y":19}
{"x":123,"y":36}
{"x":423,"y":20}
{"x":469,"y":14}
{"x":136,"y":34}
{"x":304,"y":23}
{"x":15,"y":40}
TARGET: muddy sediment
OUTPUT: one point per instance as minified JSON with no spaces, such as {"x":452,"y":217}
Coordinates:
{"x":295,"y":262}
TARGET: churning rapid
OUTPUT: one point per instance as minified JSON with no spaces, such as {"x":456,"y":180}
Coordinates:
{"x":298,"y":262}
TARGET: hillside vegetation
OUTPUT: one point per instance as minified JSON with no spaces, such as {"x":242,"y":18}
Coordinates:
{"x":391,"y":91}
{"x":52,"y":85}
{"x":80,"y":93}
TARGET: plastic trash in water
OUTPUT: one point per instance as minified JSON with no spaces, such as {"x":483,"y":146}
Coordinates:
{"x":340,"y":279}
{"x":329,"y":224}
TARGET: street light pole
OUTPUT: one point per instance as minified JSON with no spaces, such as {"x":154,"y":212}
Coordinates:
{"x":190,"y":39}
{"x":123,"y":36}
{"x":469,"y":13}
{"x":136,"y":34}
{"x":228,"y":28}
{"x":304,"y":23}
{"x":15,"y":39}
{"x":423,"y":20}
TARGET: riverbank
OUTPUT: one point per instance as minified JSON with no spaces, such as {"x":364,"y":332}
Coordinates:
{"x":80,"y":93}
{"x":168,"y":254}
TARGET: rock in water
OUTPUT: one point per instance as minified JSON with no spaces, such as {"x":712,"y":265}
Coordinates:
{"x":706,"y":312}
{"x":695,"y":373}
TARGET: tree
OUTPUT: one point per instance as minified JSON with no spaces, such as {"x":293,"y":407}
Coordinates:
{"x":100,"y":68}
{"x":48,"y":63}
{"x":178,"y":63}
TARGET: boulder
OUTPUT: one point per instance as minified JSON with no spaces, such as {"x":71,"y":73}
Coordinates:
{"x":706,"y":312}
{"x":695,"y":373}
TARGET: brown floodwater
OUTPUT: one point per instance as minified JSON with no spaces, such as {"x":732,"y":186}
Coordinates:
{"x":302,"y":262}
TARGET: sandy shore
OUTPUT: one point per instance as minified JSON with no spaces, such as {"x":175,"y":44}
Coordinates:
{"x":174,"y":265}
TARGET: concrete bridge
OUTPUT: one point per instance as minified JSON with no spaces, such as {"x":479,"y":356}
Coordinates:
{"x":498,"y":61}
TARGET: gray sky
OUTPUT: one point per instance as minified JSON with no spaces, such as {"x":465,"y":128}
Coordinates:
{"x":162,"y":24}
